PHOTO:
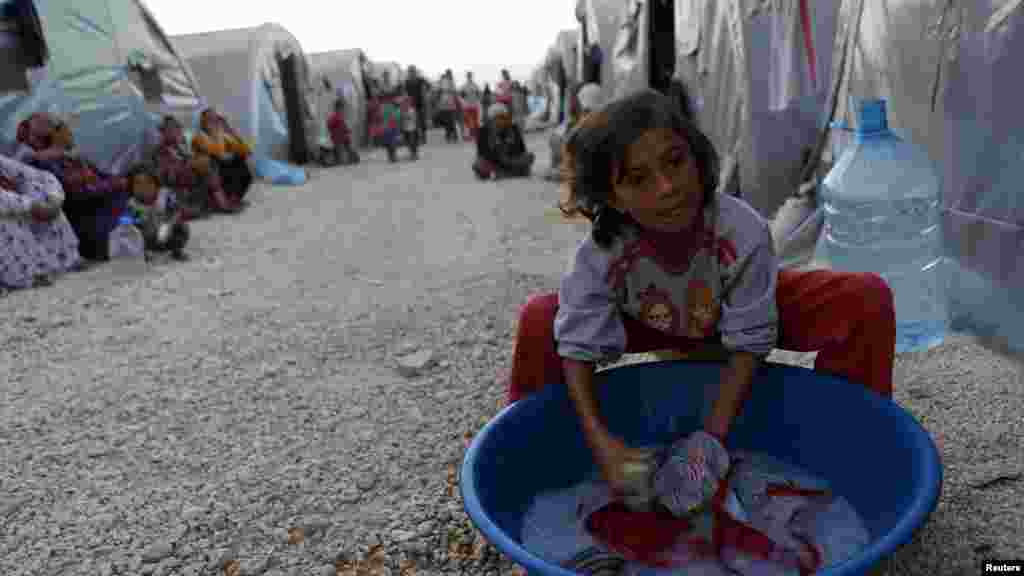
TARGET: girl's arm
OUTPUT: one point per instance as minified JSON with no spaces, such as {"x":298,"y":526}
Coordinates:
{"x":733,"y":391}
{"x":579,"y":378}
{"x":749,"y":323}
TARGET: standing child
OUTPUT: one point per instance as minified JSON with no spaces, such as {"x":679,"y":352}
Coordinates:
{"x":410,"y":127}
{"x":341,"y":136}
{"x":672,"y":263}
{"x":162,"y":223}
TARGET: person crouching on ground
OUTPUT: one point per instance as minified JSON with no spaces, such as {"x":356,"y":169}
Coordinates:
{"x":159,"y":216}
{"x":93,"y":198}
{"x":341,"y":135}
{"x":229,"y":152}
{"x":192,"y":177}
{"x":501,"y":152}
{"x":672,"y":263}
{"x":410,"y":126}
{"x":586,"y":100}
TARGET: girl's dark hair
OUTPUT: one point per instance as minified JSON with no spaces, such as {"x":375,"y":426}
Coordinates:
{"x":596,"y":149}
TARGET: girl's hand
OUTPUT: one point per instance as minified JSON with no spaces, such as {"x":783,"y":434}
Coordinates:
{"x":613,"y":457}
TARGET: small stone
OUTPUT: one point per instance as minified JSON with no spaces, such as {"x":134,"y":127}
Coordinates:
{"x":8,"y":506}
{"x":327,"y":570}
{"x":104,"y":520}
{"x":219,"y":557}
{"x":425,"y":527}
{"x":366,"y":482}
{"x":254,"y":566}
{"x":407,"y":347}
{"x":157,"y":552}
{"x":411,"y":365}
{"x":402,"y":535}
{"x":350,"y":497}
{"x":193,"y":514}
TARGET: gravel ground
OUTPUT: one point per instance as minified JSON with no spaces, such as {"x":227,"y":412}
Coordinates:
{"x":244,"y":413}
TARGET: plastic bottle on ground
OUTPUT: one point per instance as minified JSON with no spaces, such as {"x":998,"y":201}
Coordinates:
{"x":882,"y":215}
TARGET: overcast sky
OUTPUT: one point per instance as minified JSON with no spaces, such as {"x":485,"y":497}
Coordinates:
{"x":431,"y":34}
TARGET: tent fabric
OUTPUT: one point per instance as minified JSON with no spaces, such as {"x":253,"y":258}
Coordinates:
{"x":745,"y":64}
{"x":567,"y":49}
{"x":112,"y":72}
{"x":239,"y":75}
{"x":600,"y":24}
{"x":343,"y":71}
{"x":950,"y":74}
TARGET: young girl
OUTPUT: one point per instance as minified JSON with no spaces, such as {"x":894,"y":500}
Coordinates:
{"x":341,"y":135}
{"x":162,"y":223}
{"x":672,"y":264}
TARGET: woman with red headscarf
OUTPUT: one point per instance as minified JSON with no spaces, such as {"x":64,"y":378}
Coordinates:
{"x":94,"y":199}
{"x":228,"y":153}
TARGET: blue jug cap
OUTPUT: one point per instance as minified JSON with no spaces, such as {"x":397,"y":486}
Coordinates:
{"x":126,"y":219}
{"x":872,"y":117}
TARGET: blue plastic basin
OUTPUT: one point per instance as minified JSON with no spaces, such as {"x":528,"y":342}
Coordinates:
{"x":869,"y":449}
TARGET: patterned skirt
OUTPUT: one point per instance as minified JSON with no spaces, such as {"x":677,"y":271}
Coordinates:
{"x":33,"y":249}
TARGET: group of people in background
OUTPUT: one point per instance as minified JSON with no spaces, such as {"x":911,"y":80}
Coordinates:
{"x":397,"y":116}
{"x":58,"y":210}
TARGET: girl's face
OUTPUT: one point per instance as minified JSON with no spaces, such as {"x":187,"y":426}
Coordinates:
{"x":659,"y":185}
{"x":145,"y":188}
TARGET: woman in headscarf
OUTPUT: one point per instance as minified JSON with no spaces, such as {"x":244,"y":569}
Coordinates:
{"x":192,"y":177}
{"x":228,"y":151}
{"x":501,"y":151}
{"x":585,"y":101}
{"x":448,"y":104}
{"x":94,"y":199}
{"x":38,"y":241}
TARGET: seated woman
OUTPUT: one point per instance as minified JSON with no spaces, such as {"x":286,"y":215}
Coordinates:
{"x":228,"y":152}
{"x":500,"y":150}
{"x":93,"y":199}
{"x":585,"y":101}
{"x":192,"y":178}
{"x":37,"y":239}
{"x":673,"y":263}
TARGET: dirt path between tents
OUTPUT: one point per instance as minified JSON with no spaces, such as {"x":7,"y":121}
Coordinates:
{"x":244,"y":408}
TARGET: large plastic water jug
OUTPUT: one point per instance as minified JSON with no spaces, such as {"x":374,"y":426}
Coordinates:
{"x":127,"y":247}
{"x":882,"y":215}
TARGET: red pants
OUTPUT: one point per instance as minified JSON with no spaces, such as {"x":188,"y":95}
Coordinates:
{"x":471,"y":120}
{"x":849,"y":319}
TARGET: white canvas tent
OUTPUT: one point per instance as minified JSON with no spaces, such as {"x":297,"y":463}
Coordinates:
{"x":755,"y":76}
{"x":111,"y":73}
{"x":599,"y":27}
{"x":259,"y":79}
{"x":343,"y":72}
